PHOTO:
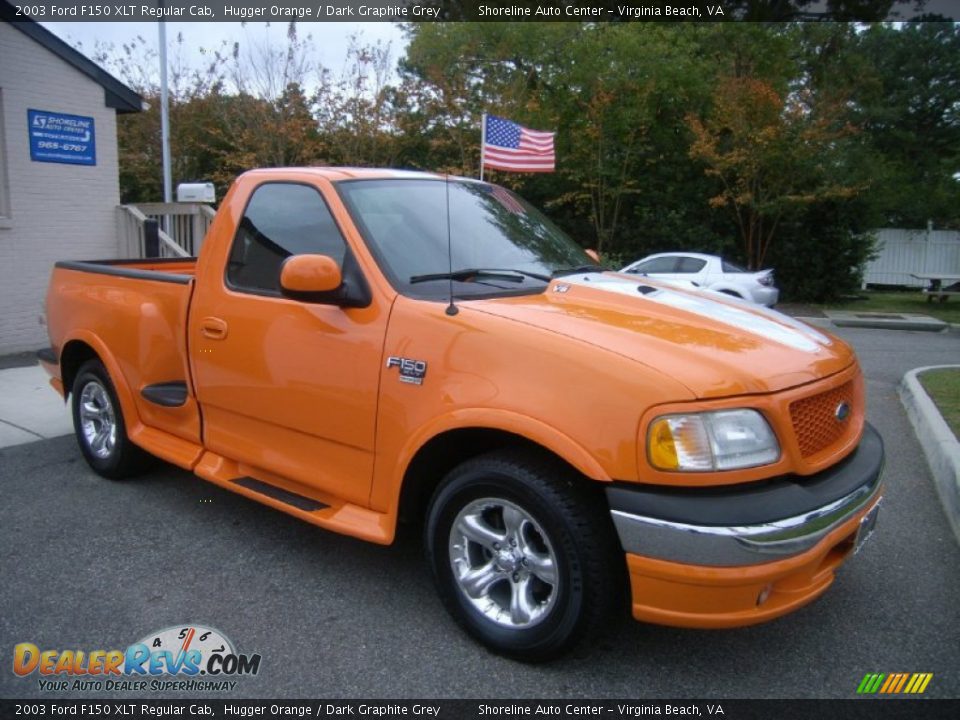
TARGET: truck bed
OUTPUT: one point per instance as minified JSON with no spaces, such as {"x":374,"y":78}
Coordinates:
{"x":133,"y":314}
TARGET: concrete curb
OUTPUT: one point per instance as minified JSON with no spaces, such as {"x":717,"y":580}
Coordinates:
{"x":886,"y":321}
{"x":937,"y":440}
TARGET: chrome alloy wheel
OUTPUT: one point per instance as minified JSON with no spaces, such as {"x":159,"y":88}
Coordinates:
{"x":503,"y":562}
{"x":98,"y":420}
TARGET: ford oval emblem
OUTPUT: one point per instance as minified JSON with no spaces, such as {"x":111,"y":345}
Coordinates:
{"x":842,"y":412}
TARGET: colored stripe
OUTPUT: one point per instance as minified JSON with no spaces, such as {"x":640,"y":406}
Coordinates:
{"x":912,"y":683}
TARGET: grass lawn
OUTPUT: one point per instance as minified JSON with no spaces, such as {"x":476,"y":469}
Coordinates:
{"x":910,"y":301}
{"x":943,"y":386}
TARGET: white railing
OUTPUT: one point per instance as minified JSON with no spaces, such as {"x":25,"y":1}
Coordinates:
{"x":183,"y":227}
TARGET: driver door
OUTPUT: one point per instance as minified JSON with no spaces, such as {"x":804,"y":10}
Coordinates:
{"x":287,"y":387}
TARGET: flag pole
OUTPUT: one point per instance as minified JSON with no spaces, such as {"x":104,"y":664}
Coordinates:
{"x":483,"y":141}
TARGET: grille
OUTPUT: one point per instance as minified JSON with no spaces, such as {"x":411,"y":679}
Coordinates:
{"x":814,"y":420}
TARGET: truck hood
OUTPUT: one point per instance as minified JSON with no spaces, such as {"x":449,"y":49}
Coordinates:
{"x":715,"y":345}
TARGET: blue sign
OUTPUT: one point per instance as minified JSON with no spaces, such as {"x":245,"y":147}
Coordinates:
{"x":61,"y":138}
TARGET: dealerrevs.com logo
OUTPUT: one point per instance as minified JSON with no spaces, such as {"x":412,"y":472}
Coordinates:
{"x":185,"y":657}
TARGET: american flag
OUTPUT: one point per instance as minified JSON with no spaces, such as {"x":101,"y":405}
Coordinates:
{"x":508,"y":146}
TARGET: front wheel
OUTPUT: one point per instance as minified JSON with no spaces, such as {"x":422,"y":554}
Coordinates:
{"x":99,"y":425}
{"x":523,"y":555}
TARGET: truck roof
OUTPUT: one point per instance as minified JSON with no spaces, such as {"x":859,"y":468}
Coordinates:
{"x":348,"y":173}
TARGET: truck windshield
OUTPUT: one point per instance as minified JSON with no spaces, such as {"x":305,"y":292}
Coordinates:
{"x":404,"y":222}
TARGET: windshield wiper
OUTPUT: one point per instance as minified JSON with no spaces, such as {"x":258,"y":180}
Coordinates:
{"x":508,"y":274}
{"x":579,"y":269}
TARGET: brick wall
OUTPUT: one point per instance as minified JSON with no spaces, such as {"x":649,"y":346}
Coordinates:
{"x":56,"y":211}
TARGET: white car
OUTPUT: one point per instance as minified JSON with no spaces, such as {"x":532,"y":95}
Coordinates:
{"x":711,"y":272}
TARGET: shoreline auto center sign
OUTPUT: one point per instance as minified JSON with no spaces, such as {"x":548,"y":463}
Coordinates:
{"x":61,"y":138}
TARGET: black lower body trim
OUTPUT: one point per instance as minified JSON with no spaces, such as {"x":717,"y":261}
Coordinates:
{"x":288,"y":498}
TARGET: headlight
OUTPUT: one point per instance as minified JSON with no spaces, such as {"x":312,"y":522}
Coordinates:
{"x":720,"y":440}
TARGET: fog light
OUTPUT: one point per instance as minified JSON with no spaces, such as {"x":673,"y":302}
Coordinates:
{"x":764,"y":595}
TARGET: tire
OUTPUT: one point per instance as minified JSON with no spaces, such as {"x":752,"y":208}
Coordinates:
{"x":523,"y":556}
{"x":99,"y":426}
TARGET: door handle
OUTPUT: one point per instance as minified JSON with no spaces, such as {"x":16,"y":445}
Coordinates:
{"x":213,"y":328}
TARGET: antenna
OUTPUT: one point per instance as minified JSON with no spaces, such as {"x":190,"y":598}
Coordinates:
{"x":451,"y":308}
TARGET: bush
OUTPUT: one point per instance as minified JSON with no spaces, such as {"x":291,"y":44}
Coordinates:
{"x":820,"y":255}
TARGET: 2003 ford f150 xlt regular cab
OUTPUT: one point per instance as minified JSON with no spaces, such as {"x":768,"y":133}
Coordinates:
{"x":354,"y":347}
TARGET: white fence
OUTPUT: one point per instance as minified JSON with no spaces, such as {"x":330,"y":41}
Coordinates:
{"x":900,"y":253}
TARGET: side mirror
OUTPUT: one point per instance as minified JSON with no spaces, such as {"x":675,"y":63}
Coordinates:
{"x":307,"y":274}
{"x":594,"y":255}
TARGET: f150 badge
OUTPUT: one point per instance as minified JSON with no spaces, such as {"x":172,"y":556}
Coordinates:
{"x":411,"y":371}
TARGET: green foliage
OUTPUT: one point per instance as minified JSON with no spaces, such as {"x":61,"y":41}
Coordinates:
{"x":943,"y":386}
{"x":821,"y":252}
{"x":909,"y":107}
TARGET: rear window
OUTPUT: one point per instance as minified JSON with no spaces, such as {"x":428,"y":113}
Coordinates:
{"x":729,"y":267}
{"x":690,"y":265}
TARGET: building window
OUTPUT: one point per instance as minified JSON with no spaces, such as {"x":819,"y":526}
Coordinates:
{"x":4,"y":174}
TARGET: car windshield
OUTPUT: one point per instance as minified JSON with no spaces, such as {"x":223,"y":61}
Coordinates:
{"x":404,"y":223}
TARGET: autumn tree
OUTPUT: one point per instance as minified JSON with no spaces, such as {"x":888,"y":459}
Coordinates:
{"x":770,"y":155}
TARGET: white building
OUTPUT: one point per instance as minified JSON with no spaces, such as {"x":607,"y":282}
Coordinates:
{"x":59,"y":175}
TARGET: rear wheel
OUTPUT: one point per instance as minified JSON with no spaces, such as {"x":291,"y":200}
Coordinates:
{"x":523,"y":556}
{"x":99,"y":426}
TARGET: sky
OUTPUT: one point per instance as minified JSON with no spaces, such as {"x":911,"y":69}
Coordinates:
{"x":330,"y":39}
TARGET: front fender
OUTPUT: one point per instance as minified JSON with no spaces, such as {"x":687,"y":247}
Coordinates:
{"x":388,"y":484}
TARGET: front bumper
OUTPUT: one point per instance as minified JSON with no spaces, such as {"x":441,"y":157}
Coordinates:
{"x":738,"y":555}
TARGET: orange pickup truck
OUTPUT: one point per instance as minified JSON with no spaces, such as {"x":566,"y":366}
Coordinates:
{"x":360,"y":347}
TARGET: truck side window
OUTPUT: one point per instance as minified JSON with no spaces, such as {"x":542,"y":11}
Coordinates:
{"x":281,"y":219}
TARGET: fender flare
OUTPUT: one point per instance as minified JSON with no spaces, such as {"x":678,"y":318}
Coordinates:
{"x":524,"y":426}
{"x":127,"y":403}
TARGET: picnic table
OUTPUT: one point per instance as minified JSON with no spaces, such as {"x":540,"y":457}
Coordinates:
{"x":936,"y":287}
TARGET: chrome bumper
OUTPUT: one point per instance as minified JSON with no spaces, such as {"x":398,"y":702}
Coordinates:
{"x":681,"y":538}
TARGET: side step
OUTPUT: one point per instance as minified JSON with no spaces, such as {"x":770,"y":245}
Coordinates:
{"x":168,"y":394}
{"x":289,"y":498}
{"x":307,"y":503}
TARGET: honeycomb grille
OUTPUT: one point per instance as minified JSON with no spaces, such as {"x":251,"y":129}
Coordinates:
{"x":814,"y":419}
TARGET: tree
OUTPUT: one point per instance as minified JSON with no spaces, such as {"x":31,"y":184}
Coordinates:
{"x":908,"y":102}
{"x":771,"y":155}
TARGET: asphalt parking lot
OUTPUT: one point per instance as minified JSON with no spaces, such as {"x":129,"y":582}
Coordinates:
{"x":86,"y":563}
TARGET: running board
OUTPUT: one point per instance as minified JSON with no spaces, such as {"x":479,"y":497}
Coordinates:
{"x":168,"y":394}
{"x":289,"y":498}
{"x":307,"y":503}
